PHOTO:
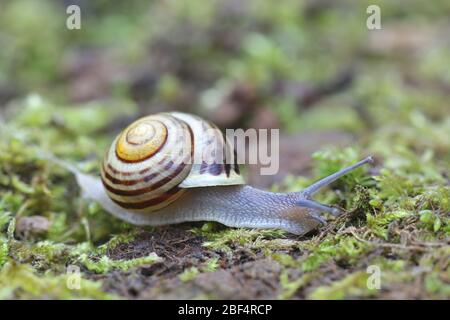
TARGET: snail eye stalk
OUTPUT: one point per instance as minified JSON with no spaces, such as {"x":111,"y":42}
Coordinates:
{"x":318,"y":206}
{"x":305,"y":200}
{"x":309,"y":191}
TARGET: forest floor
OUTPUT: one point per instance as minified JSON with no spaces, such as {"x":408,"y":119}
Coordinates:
{"x":353,"y":93}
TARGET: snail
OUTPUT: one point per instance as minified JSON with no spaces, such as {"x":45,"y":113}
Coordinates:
{"x":148,"y":178}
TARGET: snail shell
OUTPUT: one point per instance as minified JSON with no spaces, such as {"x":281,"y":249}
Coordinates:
{"x":157,"y":158}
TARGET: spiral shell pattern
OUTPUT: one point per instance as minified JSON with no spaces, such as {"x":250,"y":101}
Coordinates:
{"x":147,"y":161}
{"x":152,"y":162}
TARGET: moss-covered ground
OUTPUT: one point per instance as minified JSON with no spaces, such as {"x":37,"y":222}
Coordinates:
{"x":309,"y":67}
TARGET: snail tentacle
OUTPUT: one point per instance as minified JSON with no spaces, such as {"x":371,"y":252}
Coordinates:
{"x":309,"y":191}
{"x":316,"y":205}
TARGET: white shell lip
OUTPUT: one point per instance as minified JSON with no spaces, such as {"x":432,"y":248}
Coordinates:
{"x":201,"y":180}
{"x":200,"y":176}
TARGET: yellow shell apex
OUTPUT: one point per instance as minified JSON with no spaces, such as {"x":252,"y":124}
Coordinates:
{"x":141,"y":140}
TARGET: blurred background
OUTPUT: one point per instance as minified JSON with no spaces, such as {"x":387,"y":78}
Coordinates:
{"x":252,"y":63}
{"x":311,"y":68}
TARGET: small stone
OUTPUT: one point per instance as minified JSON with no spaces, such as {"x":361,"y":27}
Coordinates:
{"x":32,"y":225}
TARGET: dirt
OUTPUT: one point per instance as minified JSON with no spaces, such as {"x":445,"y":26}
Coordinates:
{"x":179,"y":250}
{"x":244,"y":274}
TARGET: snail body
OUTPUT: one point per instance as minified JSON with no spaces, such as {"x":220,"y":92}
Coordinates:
{"x":174,"y":167}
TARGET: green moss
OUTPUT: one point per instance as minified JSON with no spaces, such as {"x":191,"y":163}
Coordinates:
{"x":3,"y":252}
{"x":226,"y":239}
{"x":353,"y":285}
{"x":434,"y":284}
{"x":431,"y":220}
{"x":284,"y":259}
{"x":394,"y":266}
{"x":340,"y":248}
{"x":379,"y":223}
{"x":116,"y":240}
{"x":104,"y":264}
{"x":4,"y":218}
{"x":289,"y":287}
{"x":211,"y":265}
{"x":189,"y":274}
{"x":21,"y":281}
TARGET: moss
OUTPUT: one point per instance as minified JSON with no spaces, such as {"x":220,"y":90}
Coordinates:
{"x":211,"y":265}
{"x":3,"y":252}
{"x":104,"y":264}
{"x":4,"y":219}
{"x":379,"y":224}
{"x":189,"y":274}
{"x":227,"y":239}
{"x":353,"y":285}
{"x":436,"y":272}
{"x":434,"y":284}
{"x":340,"y":248}
{"x":115,"y":241}
{"x":21,"y":281}
{"x":284,"y":259}
{"x":430,"y":220}
{"x":289,"y":287}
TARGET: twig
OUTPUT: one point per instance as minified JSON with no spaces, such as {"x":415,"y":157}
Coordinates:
{"x":417,"y":247}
